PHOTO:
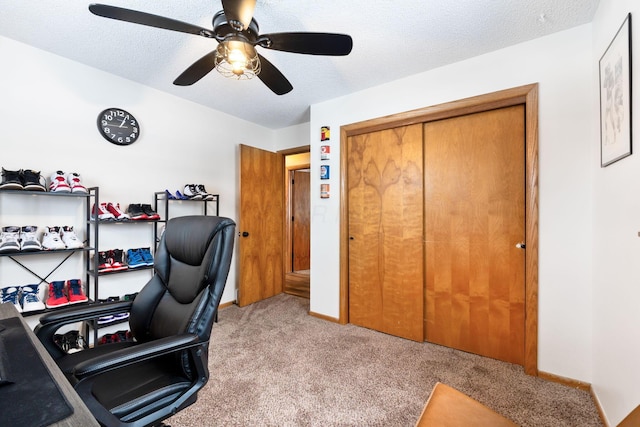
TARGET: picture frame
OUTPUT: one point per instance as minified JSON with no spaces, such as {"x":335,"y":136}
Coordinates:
{"x":615,"y":97}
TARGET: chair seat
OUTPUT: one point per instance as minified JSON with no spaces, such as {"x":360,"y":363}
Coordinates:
{"x":139,"y":389}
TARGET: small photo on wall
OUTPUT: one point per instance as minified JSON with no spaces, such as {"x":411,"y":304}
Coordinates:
{"x":324,"y":172}
{"x":325,"y":133}
{"x":325,"y":152}
{"x":324,"y":191}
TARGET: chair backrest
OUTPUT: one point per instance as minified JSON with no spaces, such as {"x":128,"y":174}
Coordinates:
{"x":191,"y":266}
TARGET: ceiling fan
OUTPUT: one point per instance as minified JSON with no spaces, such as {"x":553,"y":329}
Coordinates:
{"x":237,"y":35}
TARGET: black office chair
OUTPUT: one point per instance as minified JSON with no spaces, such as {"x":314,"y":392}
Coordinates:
{"x":143,"y":382}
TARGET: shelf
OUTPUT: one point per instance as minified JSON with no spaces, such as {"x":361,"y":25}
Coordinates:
{"x":128,"y":270}
{"x":46,"y":193}
{"x":127,"y":221}
{"x":49,"y":310}
{"x":43,"y":252}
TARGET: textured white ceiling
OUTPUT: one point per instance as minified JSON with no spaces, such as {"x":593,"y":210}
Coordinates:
{"x":391,"y":39}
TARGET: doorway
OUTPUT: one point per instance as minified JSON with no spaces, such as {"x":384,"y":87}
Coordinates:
{"x":525,"y":96}
{"x":298,"y":224}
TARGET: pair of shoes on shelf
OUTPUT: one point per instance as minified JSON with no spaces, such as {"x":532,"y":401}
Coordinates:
{"x":65,"y":292}
{"x":70,"y":342}
{"x":14,"y":238}
{"x":119,"y":336}
{"x":66,"y":183}
{"x":110,"y":318}
{"x":138,"y":211}
{"x":111,"y":260}
{"x":108,"y":211}
{"x":139,"y":257}
{"x":23,"y":179}
{"x":178,"y":196}
{"x":197,"y":192}
{"x":25,"y":298}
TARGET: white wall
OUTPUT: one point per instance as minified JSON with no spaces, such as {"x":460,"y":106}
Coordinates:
{"x":616,"y":243}
{"x":48,"y":111}
{"x":563,"y":65}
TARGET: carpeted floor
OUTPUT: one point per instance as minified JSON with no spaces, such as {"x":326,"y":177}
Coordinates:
{"x":272,"y":364}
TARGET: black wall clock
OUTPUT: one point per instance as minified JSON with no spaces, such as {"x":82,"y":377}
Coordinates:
{"x":118,"y":126}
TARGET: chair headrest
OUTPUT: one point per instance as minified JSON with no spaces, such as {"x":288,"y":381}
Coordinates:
{"x":187,"y":238}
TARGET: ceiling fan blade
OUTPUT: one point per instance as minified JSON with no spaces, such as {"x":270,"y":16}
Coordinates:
{"x":197,"y":70}
{"x":309,"y":43}
{"x":239,"y":10}
{"x":148,"y":19}
{"x":273,"y":78}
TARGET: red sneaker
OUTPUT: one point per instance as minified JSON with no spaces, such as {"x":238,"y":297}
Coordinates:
{"x":75,"y":292}
{"x":57,"y":298}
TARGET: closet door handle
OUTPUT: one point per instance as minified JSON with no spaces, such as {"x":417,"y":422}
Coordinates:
{"x":521,"y":245}
{"x":245,"y":234}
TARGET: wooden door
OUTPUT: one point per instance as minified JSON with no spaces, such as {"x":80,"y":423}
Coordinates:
{"x":385,"y":198}
{"x":301,"y":220}
{"x":260,"y":225}
{"x":474,"y":217}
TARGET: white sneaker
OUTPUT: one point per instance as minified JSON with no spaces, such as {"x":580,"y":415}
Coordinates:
{"x":30,"y":299}
{"x":73,"y":179}
{"x":115,"y":210}
{"x":10,"y":295}
{"x":70,"y":239}
{"x":29,"y":238}
{"x":51,"y":240}
{"x":10,"y":239}
{"x":203,"y":192}
{"x":58,"y":183}
{"x":191,"y":192}
{"x":103,"y":213}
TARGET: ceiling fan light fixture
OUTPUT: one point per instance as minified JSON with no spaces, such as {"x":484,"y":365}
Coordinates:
{"x":237,"y":59}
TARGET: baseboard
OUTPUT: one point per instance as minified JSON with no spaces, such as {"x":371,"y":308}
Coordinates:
{"x":324,"y":317}
{"x":581,"y":385}
{"x":226,"y":304}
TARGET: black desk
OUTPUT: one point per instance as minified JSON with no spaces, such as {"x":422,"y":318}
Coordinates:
{"x":81,"y":416}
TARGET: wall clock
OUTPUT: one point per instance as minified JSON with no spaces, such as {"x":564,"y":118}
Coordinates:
{"x":118,"y":126}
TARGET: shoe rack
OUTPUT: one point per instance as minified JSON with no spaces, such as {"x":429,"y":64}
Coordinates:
{"x":24,"y":259}
{"x":106,"y":279}
{"x":162,"y":203}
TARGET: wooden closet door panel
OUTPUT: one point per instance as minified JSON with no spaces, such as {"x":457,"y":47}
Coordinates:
{"x":385,"y":196}
{"x":474,"y":217}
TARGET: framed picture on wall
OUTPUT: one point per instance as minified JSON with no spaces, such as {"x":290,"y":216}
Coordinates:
{"x":615,"y":97}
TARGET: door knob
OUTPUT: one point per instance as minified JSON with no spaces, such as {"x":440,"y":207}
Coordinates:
{"x":245,"y":234}
{"x":520,"y":245}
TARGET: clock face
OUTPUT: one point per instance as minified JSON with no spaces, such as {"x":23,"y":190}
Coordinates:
{"x":118,"y":126}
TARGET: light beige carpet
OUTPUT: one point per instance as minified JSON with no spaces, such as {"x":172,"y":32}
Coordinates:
{"x":272,"y":364}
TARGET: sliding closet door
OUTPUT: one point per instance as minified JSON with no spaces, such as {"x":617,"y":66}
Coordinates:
{"x":474,"y":218}
{"x":385,"y":197}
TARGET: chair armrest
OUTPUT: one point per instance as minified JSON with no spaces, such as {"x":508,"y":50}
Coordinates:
{"x":49,"y":323}
{"x":84,"y":312}
{"x":134,"y":354}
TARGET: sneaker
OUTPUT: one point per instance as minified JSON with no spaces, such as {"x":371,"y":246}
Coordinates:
{"x":58,"y":183}
{"x":129,"y":297}
{"x":10,"y":239}
{"x":117,"y":260}
{"x":120,"y":316}
{"x":102,"y":211}
{"x":104,"y":262}
{"x":51,"y":240}
{"x":30,"y":299}
{"x":191,"y":192}
{"x":135,"y":259}
{"x":73,"y":179}
{"x":181,"y":196}
{"x":70,"y":239}
{"x":33,"y":181}
{"x":136,"y":212}
{"x":29,"y":238}
{"x":10,"y":294}
{"x":57,"y":298}
{"x":169,"y":195}
{"x":203,"y":192}
{"x":75,"y":293}
{"x":146,"y":256}
{"x":149,"y":212}
{"x":117,"y":213}
{"x":72,"y":342}
{"x":105,"y":319}
{"x":11,"y":180}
